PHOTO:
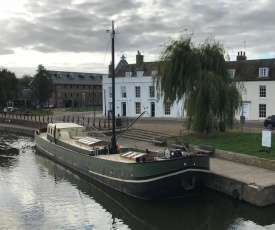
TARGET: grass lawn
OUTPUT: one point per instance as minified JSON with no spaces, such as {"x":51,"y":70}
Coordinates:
{"x":244,"y":143}
{"x":41,"y":112}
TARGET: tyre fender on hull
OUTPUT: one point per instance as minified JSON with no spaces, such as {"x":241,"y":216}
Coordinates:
{"x":188,"y":184}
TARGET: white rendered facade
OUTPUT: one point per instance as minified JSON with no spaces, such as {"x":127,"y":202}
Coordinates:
{"x":134,"y":95}
{"x":258,"y":99}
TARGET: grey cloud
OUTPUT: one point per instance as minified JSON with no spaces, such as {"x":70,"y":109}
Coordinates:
{"x":4,"y":51}
{"x":60,"y":26}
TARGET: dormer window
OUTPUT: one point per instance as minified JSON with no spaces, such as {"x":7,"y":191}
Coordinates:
{"x":57,"y":75}
{"x":232,"y":72}
{"x":263,"y":72}
{"x":128,"y":74}
{"x":70,"y":75}
{"x":81,"y":75}
{"x":140,"y":73}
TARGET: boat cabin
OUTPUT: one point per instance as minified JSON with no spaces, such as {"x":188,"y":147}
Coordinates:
{"x":65,"y":131}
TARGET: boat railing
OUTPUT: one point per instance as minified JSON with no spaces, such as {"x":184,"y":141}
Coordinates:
{"x":159,"y":155}
{"x":93,"y":129}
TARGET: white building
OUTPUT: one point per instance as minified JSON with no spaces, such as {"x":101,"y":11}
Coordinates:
{"x":135,"y":92}
{"x":258,"y":79}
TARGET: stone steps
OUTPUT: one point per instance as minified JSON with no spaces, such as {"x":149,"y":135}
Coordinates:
{"x":144,"y":135}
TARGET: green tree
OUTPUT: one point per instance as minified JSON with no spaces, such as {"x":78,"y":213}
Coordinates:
{"x":199,"y":76}
{"x":24,"y":81}
{"x":42,"y":86}
{"x":8,"y":87}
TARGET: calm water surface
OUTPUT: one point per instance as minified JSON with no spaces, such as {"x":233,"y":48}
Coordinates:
{"x":36,"y":193}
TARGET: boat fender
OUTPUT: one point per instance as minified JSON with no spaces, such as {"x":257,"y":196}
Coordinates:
{"x":187,"y":184}
{"x":236,"y":194}
{"x":167,"y":153}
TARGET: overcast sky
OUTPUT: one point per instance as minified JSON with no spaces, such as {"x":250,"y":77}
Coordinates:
{"x":71,"y":35}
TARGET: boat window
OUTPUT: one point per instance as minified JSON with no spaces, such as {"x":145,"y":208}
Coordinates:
{"x":48,"y":130}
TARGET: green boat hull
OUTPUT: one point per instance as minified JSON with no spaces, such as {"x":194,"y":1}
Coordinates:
{"x":151,"y":180}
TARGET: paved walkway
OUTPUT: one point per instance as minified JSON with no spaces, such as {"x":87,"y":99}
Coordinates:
{"x":244,"y":173}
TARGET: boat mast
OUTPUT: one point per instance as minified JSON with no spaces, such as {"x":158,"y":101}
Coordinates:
{"x":113,"y":140}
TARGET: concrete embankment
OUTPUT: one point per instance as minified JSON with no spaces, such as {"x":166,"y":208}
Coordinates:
{"x":246,"y":178}
{"x":245,"y":182}
{"x":24,"y":127}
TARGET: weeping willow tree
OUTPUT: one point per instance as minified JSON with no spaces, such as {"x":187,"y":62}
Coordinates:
{"x":199,"y":76}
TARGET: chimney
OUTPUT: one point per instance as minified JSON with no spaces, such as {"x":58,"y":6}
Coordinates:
{"x":241,"y":56}
{"x":139,"y":59}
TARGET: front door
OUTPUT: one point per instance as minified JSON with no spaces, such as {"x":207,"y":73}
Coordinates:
{"x":152,"y":109}
{"x":246,"y":110}
{"x":123,"y":105}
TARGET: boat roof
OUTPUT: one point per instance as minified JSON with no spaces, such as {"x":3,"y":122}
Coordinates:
{"x":65,"y":125}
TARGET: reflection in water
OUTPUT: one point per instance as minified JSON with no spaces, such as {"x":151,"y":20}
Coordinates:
{"x":8,"y":157}
{"x":37,"y":193}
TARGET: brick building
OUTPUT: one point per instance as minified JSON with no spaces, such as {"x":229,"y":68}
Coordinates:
{"x":74,"y":89}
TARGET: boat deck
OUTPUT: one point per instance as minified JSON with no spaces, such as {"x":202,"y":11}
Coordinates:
{"x":71,"y":141}
{"x":76,"y":143}
{"x":116,"y":157}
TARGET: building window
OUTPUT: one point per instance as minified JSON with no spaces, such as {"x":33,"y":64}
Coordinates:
{"x":71,"y":95}
{"x":167,"y":109}
{"x":71,"y":86}
{"x":154,"y":72}
{"x":140,"y":73}
{"x":262,"y":91}
{"x":65,"y":86}
{"x":123,"y":91}
{"x":128,"y":74}
{"x":138,"y":108}
{"x":110,"y":92}
{"x":262,"y":110}
{"x":77,"y":86}
{"x":232,"y":72}
{"x":83,"y":86}
{"x":152,"y":91}
{"x":65,"y":95}
{"x":77,"y":94}
{"x":263,"y":72}
{"x":137,"y":91}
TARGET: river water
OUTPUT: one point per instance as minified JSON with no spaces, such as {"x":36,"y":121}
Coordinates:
{"x":36,"y":193}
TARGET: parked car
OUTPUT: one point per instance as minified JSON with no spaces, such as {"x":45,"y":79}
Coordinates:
{"x":49,"y":106}
{"x":269,"y":122}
